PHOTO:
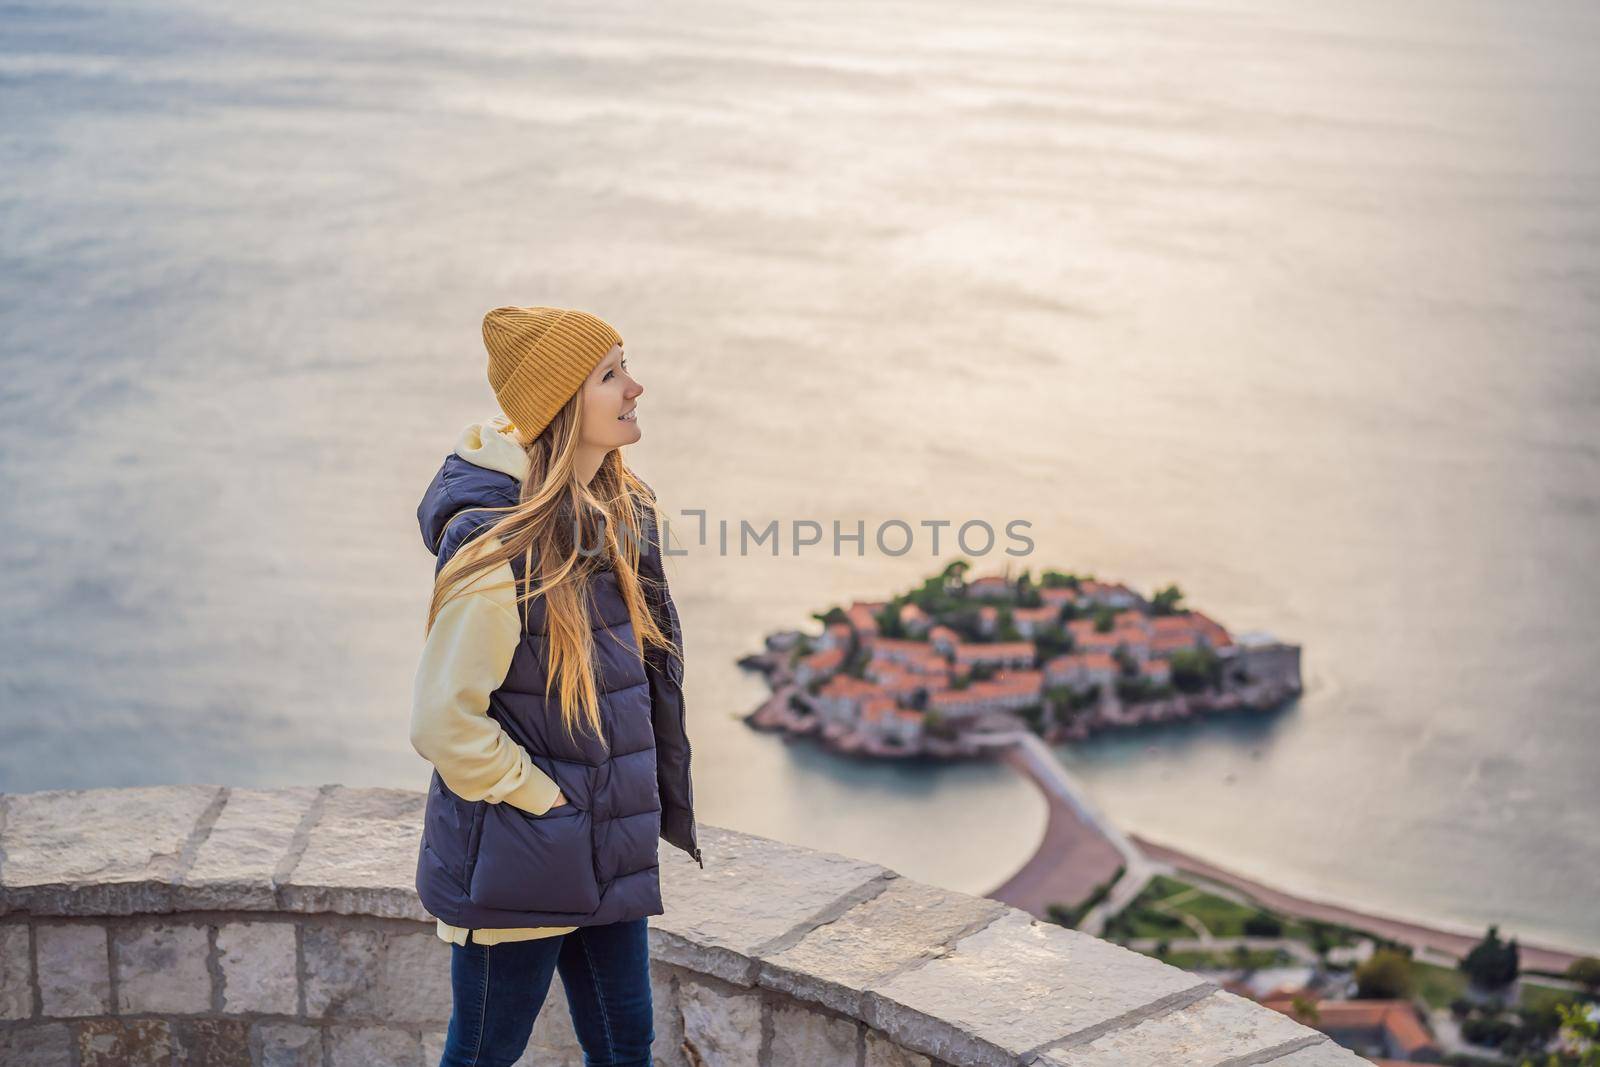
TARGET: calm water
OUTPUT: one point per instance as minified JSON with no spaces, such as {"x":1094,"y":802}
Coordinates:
{"x":1298,"y":309}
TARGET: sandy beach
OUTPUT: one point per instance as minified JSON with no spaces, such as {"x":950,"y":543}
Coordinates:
{"x":1072,"y":858}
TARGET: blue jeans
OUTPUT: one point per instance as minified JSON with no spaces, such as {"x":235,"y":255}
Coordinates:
{"x":498,"y":990}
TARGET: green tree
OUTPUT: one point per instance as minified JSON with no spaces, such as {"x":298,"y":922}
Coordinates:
{"x":1033,"y":715}
{"x":1006,"y":626}
{"x":831,"y":616}
{"x":1491,"y":964}
{"x":964,"y":621}
{"x":1262,"y":924}
{"x":1385,"y":976}
{"x":1193,"y":669}
{"x":1581,"y":1031}
{"x":1305,"y":1009}
{"x":1052,"y":641}
{"x":1586,"y":972}
{"x":888,"y":620}
{"x":1166,"y":601}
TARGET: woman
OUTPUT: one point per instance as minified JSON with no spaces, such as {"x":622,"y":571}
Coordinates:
{"x":549,"y":700}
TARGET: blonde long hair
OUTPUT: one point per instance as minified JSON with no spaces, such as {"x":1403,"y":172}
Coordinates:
{"x":552,"y":507}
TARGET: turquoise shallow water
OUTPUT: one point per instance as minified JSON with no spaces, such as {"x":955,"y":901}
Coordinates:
{"x":1296,"y":309}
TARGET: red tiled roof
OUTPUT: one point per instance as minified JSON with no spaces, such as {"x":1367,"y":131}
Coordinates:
{"x":848,"y":686}
{"x":995,"y":650}
{"x":861,"y":615}
{"x":1171,"y":642}
{"x":1398,"y":1017}
{"x":1214,"y":631}
{"x":1017,"y":680}
{"x":826,"y":660}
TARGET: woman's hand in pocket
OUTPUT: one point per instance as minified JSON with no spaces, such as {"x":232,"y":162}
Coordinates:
{"x":560,"y":800}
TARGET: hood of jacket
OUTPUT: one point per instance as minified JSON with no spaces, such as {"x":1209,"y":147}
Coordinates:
{"x":485,"y":469}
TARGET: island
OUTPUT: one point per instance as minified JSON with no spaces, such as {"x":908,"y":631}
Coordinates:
{"x":934,"y":671}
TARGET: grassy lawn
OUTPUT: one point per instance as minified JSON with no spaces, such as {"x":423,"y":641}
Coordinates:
{"x":1437,"y":985}
{"x":1536,"y":995}
{"x":1156,"y":913}
{"x":1255,"y":960}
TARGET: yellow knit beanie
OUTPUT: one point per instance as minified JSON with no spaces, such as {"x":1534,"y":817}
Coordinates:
{"x":539,"y":358}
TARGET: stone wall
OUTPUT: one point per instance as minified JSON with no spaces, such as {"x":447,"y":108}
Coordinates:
{"x":203,"y":925}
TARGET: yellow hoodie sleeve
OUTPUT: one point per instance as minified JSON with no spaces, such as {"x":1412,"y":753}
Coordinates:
{"x":465,"y":658}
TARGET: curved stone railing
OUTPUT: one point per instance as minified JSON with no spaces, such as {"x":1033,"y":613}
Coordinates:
{"x":208,"y":925}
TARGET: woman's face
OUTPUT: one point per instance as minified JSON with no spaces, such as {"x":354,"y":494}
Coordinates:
{"x":610,"y":396}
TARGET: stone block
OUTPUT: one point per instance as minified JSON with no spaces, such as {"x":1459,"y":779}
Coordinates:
{"x":98,"y":851}
{"x":371,"y":972}
{"x":259,"y":972}
{"x":907,"y":923}
{"x":161,"y":968}
{"x":212,"y":1042}
{"x":361,"y":856}
{"x":667,"y":1048}
{"x":721,"y":1026}
{"x":414,"y":983}
{"x":881,"y":1052}
{"x":36,"y":1045}
{"x":74,"y":969}
{"x":1216,"y":1028}
{"x":16,"y":972}
{"x":1018,"y":984}
{"x":373,"y":1046}
{"x":278,"y":1044}
{"x":342,"y":970}
{"x":125,"y":1043}
{"x":755,"y":896}
{"x":803,"y":1037}
{"x":1323,"y":1054}
{"x":235,"y":867}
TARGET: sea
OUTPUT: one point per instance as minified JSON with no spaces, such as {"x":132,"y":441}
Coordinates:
{"x":1294,"y":306}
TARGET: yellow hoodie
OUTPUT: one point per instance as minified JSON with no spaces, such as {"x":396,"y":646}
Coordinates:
{"x":466,"y":656}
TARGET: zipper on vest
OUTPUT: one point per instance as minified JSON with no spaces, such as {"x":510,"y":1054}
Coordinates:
{"x":683,"y":725}
{"x":688,"y":764}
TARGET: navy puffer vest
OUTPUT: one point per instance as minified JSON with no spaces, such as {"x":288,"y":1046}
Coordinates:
{"x":592,"y":860}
